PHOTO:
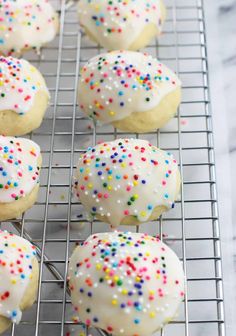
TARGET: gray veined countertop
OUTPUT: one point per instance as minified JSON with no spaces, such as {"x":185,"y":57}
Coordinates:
{"x":221,"y":38}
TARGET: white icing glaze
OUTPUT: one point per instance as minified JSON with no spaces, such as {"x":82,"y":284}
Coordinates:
{"x":19,"y":171}
{"x":126,"y":177}
{"x":16,"y":255}
{"x":125,"y":283}
{"x":19,"y":83}
{"x":117,"y":24}
{"x":114,"y":85}
{"x":26,"y":24}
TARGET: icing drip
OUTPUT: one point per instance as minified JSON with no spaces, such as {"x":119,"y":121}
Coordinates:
{"x":125,"y":283}
{"x":19,"y":171}
{"x":120,"y":83}
{"x":126,"y":177}
{"x":16,"y":256}
{"x":119,"y":23}
{"x":25,"y":24}
{"x":19,"y":83}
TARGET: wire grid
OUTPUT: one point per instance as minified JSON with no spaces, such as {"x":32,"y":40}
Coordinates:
{"x":57,"y":222}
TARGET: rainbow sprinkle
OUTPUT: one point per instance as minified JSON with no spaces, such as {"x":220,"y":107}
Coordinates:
{"x":19,"y":171}
{"x":126,"y":177}
{"x":16,"y":256}
{"x":122,"y":82}
{"x":125,"y":283}
{"x":19,"y":82}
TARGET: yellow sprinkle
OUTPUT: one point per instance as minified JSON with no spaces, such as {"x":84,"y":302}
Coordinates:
{"x":110,"y":177}
{"x":147,"y":254}
{"x":97,"y":7}
{"x":123,"y":164}
{"x":112,"y":113}
{"x":124,"y":291}
{"x":114,"y":302}
{"x":138,"y":279}
{"x":152,"y":314}
{"x":151,"y":292}
{"x":143,"y":213}
{"x":90,"y":185}
{"x":98,"y":266}
{"x":13,"y":281}
{"x":135,"y":183}
{"x":109,"y":187}
{"x":32,"y":69}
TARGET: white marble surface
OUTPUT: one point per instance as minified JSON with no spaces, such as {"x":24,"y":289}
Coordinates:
{"x":221,"y":30}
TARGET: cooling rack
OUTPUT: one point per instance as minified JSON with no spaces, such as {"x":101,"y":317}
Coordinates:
{"x":57,"y":222}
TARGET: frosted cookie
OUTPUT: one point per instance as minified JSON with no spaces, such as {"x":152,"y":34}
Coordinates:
{"x":24,"y":96}
{"x":26,"y":24}
{"x":19,"y":278}
{"x":130,"y":90}
{"x":20,"y":162}
{"x":127,"y":181}
{"x":128,"y":25}
{"x":125,"y":283}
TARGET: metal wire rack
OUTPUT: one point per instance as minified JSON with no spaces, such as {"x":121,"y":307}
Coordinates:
{"x":56,"y":222}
